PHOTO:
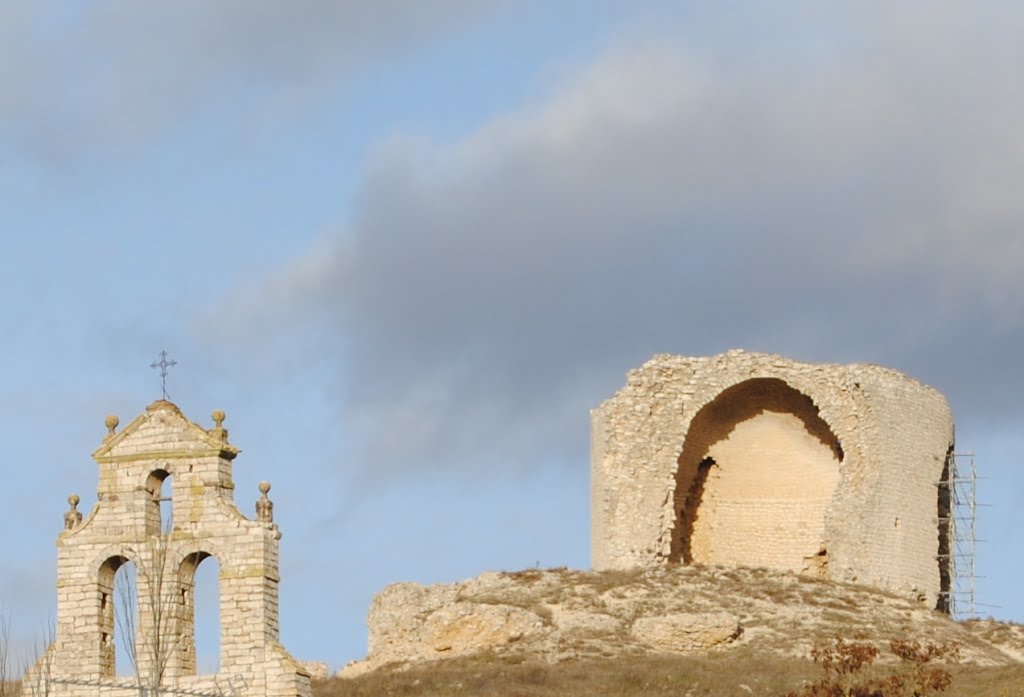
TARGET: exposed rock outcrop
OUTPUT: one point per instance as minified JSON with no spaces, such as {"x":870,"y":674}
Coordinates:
{"x":561,"y":614}
{"x":683,"y":632}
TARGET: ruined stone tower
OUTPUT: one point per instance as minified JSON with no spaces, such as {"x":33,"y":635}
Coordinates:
{"x":750,"y":459}
{"x":163,"y":458}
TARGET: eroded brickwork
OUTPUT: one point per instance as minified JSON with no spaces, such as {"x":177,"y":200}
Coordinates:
{"x":752,"y":459}
{"x":162,"y":455}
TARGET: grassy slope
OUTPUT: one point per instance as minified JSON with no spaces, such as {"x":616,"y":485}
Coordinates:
{"x":783,"y":617}
{"x":717,"y":675}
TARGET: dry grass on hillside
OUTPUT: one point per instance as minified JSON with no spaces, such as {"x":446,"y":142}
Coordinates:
{"x":487,"y":676}
{"x":584,"y":645}
{"x":735,"y":673}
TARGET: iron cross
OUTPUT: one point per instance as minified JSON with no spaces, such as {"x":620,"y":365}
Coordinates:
{"x":163,"y":364}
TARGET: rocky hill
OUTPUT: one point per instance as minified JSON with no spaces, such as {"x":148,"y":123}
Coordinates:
{"x":560,"y":615}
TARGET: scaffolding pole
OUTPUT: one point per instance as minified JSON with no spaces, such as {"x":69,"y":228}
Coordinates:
{"x":959,"y":560}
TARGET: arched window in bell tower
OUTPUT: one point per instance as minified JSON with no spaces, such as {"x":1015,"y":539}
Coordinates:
{"x":159,"y":509}
{"x":118,"y":617}
{"x":199,"y":621}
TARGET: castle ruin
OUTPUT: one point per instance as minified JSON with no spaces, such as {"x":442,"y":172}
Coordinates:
{"x":163,"y":460}
{"x":750,"y":459}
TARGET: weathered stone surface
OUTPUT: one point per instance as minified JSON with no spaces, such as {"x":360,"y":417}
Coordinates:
{"x":560,"y":614}
{"x":583,"y":622}
{"x":471,"y":627}
{"x":354,"y":669}
{"x":318,"y":670}
{"x":750,"y":459}
{"x":686,"y":632}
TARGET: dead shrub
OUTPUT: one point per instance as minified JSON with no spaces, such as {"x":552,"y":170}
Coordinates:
{"x":847,"y":670}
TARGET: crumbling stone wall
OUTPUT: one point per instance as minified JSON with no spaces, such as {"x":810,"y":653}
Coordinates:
{"x":159,"y":446}
{"x":751,"y":459}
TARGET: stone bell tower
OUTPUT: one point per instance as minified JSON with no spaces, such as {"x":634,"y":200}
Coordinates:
{"x":166,"y":503}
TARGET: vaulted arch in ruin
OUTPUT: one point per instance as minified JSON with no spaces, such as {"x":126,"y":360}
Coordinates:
{"x":758,"y":469}
{"x":753,"y":459}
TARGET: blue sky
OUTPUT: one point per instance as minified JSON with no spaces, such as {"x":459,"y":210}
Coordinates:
{"x":407,"y":246}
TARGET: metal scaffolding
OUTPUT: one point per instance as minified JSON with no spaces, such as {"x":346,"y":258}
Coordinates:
{"x":957,"y":558}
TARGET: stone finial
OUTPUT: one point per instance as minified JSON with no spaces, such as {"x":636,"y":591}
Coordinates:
{"x":264,"y":506}
{"x":111,"y":423}
{"x":73,"y":517}
{"x":218,"y":429}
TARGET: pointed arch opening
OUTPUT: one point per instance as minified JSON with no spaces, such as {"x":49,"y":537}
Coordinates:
{"x":757,"y":472}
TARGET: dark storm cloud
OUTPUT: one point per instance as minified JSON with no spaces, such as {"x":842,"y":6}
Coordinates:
{"x":856,"y":202}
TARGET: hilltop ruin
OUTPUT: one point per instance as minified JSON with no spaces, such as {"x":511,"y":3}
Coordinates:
{"x":750,"y":459}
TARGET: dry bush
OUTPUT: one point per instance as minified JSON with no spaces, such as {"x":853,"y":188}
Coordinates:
{"x":847,"y":669}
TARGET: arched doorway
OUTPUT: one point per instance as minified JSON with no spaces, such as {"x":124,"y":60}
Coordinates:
{"x":757,"y":472}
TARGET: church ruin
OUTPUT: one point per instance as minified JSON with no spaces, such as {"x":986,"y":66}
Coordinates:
{"x":749,"y":459}
{"x":161,"y":460}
